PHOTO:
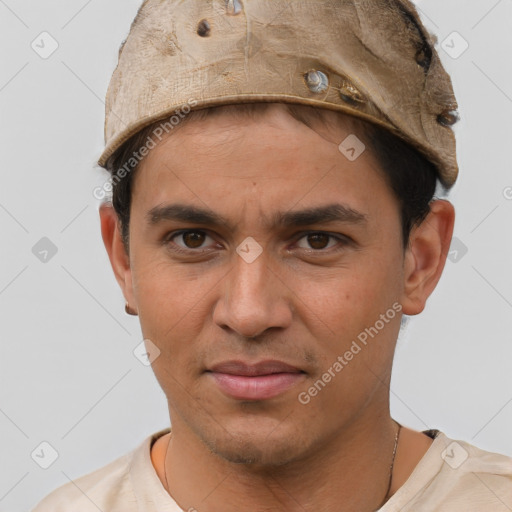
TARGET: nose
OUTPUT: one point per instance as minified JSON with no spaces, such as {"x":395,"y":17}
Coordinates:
{"x":253,"y":298}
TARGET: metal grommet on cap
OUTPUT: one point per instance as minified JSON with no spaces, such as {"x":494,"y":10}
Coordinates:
{"x":203,"y":28}
{"x":351,"y":94}
{"x":423,"y":58}
{"x":317,"y":81}
{"x":234,"y":7}
{"x":448,"y":117}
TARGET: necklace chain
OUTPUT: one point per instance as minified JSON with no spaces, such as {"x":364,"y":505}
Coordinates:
{"x":390,"y":467}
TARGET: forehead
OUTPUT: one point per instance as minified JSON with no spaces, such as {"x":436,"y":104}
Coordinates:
{"x":238,"y":128}
{"x":268,"y":155}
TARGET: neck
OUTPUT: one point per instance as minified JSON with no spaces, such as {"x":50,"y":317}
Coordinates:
{"x":352,"y":467}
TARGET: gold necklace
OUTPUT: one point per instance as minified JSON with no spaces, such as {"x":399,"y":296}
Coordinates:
{"x":390,"y":467}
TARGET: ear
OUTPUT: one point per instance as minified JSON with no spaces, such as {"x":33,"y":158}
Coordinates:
{"x":120,"y":261}
{"x":426,"y":256}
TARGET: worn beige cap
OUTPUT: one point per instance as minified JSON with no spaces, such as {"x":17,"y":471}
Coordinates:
{"x":372,"y":59}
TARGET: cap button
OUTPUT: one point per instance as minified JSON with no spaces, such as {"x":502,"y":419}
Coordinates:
{"x":316,"y":81}
{"x":448,"y":117}
{"x":350,"y":94}
{"x":234,"y":7}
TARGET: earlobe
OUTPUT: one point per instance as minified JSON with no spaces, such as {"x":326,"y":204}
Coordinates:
{"x":425,"y":257}
{"x":120,"y":261}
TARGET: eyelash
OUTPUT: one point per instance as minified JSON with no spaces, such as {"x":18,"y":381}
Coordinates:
{"x":343,"y":240}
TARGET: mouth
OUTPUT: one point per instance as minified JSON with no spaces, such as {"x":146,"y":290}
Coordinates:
{"x":260,"y":381}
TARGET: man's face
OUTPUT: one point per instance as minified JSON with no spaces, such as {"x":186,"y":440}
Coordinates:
{"x":318,"y":286}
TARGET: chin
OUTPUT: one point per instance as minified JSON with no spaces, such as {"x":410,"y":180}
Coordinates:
{"x":258,"y":445}
{"x":257,"y":453}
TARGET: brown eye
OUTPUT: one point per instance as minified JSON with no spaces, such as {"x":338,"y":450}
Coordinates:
{"x":318,"y":241}
{"x":193,"y":239}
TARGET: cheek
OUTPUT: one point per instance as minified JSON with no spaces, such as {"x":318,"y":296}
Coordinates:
{"x":172,"y":313}
{"x":168,"y":299}
{"x":343,"y":303}
{"x":353,"y":317}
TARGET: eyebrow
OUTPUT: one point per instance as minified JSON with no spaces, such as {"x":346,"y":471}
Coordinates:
{"x":317,"y":215}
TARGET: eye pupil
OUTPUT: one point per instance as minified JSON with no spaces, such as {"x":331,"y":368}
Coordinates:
{"x":316,"y":239}
{"x":193,"y":239}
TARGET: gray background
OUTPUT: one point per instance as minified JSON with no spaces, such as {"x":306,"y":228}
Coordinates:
{"x":68,"y":374}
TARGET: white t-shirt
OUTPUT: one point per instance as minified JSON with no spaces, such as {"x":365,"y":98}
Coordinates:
{"x":452,"y":476}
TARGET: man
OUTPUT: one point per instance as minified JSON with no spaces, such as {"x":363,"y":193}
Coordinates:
{"x":273,"y":218}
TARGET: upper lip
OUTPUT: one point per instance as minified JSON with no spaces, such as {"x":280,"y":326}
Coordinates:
{"x":253,"y":370}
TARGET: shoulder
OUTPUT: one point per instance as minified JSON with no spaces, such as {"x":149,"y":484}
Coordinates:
{"x":455,"y":476}
{"x":465,"y":477}
{"x":478,"y":479}
{"x":99,"y":489}
{"x":107,"y":488}
{"x":471,"y":459}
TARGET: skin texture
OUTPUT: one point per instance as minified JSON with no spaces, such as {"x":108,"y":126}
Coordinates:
{"x":303,"y":301}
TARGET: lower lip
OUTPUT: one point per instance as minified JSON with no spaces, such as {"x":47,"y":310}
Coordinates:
{"x":261,"y":387}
